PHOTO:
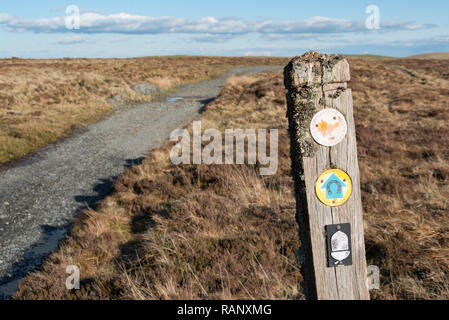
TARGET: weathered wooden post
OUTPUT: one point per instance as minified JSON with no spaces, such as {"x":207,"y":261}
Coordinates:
{"x":326,"y":175}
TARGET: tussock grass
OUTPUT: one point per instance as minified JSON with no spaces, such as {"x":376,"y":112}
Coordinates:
{"x":225,"y":232}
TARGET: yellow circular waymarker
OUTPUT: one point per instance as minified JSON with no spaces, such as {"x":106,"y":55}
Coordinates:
{"x":333,"y":187}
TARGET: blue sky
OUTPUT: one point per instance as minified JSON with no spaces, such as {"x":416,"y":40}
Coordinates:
{"x":36,"y":29}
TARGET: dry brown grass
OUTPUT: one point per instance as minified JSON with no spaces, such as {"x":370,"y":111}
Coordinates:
{"x":44,"y":100}
{"x":436,"y":55}
{"x":203,"y":232}
{"x":402,"y":129}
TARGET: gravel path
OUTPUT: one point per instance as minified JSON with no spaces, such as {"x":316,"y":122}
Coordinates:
{"x":39,"y":196}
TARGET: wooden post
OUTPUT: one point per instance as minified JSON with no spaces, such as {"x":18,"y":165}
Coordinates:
{"x":316,"y":82}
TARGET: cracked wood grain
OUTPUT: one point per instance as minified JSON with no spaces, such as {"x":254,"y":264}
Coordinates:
{"x":316,"y":81}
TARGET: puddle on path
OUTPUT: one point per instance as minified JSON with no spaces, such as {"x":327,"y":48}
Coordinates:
{"x":174,"y":99}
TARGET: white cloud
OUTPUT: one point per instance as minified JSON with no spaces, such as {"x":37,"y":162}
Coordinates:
{"x":4,"y":18}
{"x":123,"y":23}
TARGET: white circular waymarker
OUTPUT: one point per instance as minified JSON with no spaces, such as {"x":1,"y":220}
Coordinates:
{"x":328,"y":127}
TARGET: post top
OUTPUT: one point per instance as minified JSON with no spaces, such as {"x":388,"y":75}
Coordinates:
{"x":316,"y":68}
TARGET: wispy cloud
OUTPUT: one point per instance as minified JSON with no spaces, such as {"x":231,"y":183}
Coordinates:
{"x":210,"y":38}
{"x":124,"y":23}
{"x":73,"y":39}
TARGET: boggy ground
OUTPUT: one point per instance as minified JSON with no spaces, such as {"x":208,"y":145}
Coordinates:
{"x":222,"y":232}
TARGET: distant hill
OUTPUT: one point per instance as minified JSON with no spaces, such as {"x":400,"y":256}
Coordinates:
{"x":367,"y":56}
{"x":435,"y":55}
